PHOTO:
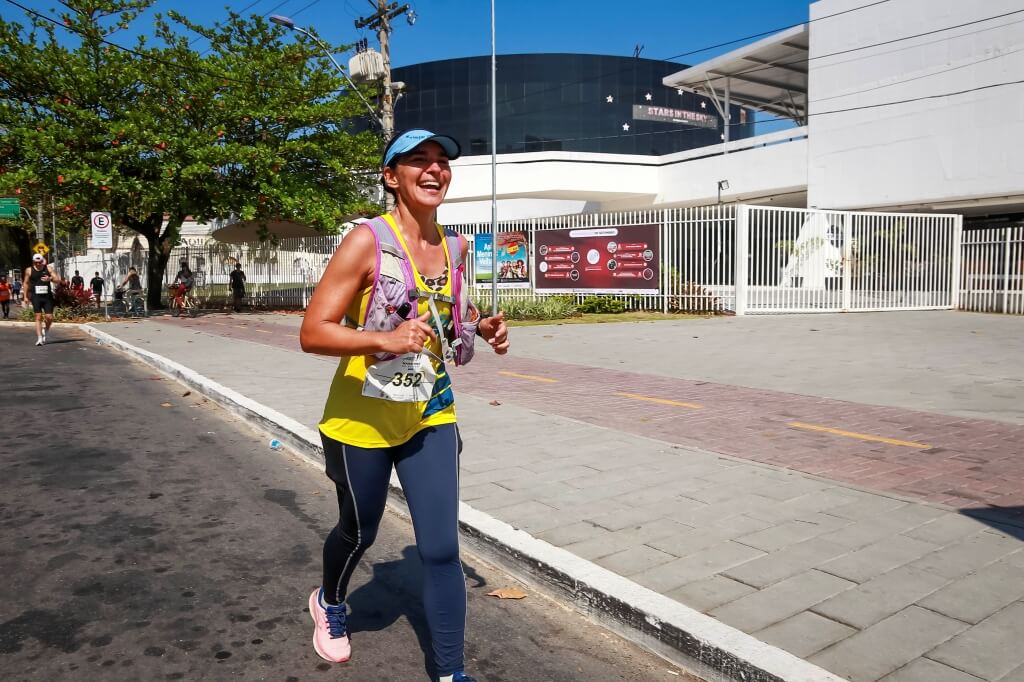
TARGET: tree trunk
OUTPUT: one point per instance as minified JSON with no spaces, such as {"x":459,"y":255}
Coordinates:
{"x":156,"y":266}
{"x":161,"y":240}
{"x":159,"y":253}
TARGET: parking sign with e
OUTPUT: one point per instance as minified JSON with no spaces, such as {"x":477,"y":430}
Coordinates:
{"x":102,"y":233}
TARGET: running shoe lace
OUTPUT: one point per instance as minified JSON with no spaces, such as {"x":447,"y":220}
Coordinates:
{"x":336,"y":617}
{"x":463,"y":677}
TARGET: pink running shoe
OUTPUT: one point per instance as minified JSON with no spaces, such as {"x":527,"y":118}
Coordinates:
{"x":330,"y":635}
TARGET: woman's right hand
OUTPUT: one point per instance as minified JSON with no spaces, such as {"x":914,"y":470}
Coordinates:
{"x":410,"y":336}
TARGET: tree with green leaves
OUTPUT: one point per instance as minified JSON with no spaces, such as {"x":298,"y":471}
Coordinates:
{"x":254,"y":127}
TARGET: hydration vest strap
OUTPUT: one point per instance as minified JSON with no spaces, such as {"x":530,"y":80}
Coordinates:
{"x":446,"y":350}
{"x":391,"y":249}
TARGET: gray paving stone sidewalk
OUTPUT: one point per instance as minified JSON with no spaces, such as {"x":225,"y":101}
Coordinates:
{"x":869,"y":586}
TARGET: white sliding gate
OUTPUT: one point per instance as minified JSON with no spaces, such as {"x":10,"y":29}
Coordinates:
{"x":792,"y":260}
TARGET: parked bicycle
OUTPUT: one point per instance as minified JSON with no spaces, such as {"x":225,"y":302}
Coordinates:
{"x":182,"y":301}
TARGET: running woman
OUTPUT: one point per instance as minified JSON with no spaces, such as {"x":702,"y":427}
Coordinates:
{"x":364,"y":436}
{"x":38,"y":286}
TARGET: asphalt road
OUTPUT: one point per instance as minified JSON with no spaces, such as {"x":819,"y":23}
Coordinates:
{"x":149,"y":535}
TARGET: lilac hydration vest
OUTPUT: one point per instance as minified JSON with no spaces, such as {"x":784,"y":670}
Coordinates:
{"x":394,"y":297}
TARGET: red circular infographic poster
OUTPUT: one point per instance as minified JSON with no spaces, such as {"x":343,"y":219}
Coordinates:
{"x":602,"y":260}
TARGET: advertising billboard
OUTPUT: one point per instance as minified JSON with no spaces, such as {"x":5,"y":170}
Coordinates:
{"x":600,"y":260}
{"x":513,"y":260}
{"x":701,"y":119}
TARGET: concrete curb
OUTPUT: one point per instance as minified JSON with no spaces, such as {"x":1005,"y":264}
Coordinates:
{"x":698,"y":642}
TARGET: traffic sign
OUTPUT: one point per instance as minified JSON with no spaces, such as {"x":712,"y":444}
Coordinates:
{"x":102,"y":232}
{"x":10,"y":208}
{"x":41,"y":248}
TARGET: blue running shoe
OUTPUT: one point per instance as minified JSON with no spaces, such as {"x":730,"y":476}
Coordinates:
{"x":462,"y":677}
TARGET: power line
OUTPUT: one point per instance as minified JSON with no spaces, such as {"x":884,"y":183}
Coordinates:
{"x":772,"y":31}
{"x":179,"y":67}
{"x":782,"y":118}
{"x":244,"y":9}
{"x":303,"y":9}
{"x":269,"y":11}
{"x":917,"y":99}
{"x":705,"y":49}
{"x":804,"y":60}
{"x":762,"y":68}
{"x":923,"y":76}
{"x":930,"y":42}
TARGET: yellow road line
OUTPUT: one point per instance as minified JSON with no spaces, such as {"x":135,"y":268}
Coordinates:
{"x":262,"y":331}
{"x":858,"y":436}
{"x":661,"y":401}
{"x":529,"y":376}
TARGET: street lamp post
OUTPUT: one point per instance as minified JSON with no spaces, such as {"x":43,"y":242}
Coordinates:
{"x":385,"y":126}
{"x":287,"y":22}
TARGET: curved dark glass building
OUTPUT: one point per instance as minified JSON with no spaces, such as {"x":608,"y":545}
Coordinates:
{"x":561,"y":102}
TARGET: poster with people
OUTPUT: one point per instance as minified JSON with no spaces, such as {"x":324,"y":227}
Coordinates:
{"x":513,"y":260}
{"x":600,"y":260}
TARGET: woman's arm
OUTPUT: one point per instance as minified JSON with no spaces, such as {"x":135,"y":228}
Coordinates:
{"x":350,"y":271}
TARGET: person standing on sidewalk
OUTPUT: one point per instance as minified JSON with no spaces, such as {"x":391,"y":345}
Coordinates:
{"x":96,"y":284}
{"x":5,"y":297}
{"x":371,"y":423}
{"x":237,"y":283}
{"x":39,"y":282}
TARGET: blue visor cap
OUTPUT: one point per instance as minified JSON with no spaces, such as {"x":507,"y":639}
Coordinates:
{"x":411,"y":139}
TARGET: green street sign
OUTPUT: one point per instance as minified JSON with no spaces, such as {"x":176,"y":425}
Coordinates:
{"x":10,"y":208}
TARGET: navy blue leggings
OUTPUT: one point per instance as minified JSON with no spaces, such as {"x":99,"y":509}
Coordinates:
{"x":428,"y":467}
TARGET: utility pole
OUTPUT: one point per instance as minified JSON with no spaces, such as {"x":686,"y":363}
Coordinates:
{"x":381,"y":22}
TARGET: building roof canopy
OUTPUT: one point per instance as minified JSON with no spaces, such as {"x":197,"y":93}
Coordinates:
{"x":769,"y":75}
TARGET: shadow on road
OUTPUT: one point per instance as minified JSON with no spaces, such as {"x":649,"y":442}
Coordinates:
{"x":396,"y":591}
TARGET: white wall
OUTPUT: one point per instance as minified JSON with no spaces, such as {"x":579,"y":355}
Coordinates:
{"x":753,"y":174}
{"x":455,"y":213}
{"x":560,"y":183}
{"x":934,"y":151}
{"x":555,"y":175}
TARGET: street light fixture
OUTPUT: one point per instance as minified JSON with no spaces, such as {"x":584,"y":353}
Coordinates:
{"x":289,"y":23}
{"x":722,"y":184}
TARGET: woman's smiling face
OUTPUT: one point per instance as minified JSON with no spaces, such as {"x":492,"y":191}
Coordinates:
{"x":421,"y":176}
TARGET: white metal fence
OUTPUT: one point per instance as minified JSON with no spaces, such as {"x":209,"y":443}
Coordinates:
{"x":802,"y":260}
{"x":747,"y":259}
{"x":993,"y":270}
{"x":281,"y":275}
{"x":697,"y":247}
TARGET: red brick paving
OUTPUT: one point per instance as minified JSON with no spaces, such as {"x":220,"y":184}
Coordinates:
{"x":971,"y":462}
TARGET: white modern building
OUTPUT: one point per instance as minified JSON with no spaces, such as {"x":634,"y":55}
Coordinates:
{"x":909,"y":105}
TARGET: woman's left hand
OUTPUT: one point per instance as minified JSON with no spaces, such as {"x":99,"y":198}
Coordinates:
{"x":494,"y":332}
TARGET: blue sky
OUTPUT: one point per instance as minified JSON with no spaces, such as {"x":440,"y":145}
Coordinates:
{"x":459,"y":28}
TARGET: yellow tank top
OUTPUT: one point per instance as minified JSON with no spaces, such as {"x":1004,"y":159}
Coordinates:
{"x":352,"y":418}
